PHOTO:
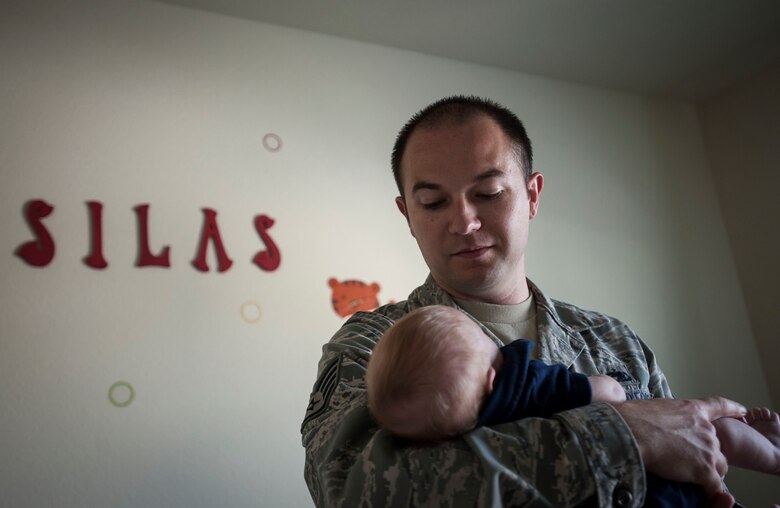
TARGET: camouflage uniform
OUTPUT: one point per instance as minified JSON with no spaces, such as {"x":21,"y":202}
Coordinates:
{"x":581,"y":456}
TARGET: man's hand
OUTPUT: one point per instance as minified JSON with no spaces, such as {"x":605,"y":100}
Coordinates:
{"x":677,"y":440}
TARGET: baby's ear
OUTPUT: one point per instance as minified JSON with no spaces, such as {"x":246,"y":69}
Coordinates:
{"x":491,"y":377}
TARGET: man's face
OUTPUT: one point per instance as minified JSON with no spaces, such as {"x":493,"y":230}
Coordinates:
{"x":468,"y":206}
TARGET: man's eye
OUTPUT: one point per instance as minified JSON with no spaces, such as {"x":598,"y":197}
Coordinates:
{"x":433,"y":205}
{"x":488,"y":196}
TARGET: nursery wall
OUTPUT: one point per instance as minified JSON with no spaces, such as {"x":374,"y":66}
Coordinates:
{"x":178,"y":189}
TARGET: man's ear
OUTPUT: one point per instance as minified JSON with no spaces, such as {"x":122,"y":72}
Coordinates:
{"x":535,"y":184}
{"x":400,"y":202}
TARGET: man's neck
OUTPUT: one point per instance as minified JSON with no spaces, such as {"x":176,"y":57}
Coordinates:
{"x":518,"y":294}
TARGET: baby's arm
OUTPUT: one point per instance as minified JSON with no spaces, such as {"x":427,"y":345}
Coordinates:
{"x":530,"y":388}
{"x":606,"y":389}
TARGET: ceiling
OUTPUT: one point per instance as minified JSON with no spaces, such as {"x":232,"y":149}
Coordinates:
{"x":681,"y":49}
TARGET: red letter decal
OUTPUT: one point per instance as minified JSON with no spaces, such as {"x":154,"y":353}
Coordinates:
{"x":270,"y":259}
{"x":145,"y":256}
{"x":210,"y":231}
{"x":95,"y":258}
{"x":37,"y":252}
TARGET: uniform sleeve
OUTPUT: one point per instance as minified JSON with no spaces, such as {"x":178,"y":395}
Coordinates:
{"x":581,"y":455}
{"x":657,"y":383}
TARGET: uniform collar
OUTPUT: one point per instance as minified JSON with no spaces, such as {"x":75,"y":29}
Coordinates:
{"x":558,"y":336}
{"x":558,"y":342}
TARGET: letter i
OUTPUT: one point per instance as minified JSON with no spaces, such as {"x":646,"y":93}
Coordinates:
{"x":95,"y":258}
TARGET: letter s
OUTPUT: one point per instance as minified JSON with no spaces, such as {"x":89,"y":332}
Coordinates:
{"x":38,"y":252}
{"x":270,"y":259}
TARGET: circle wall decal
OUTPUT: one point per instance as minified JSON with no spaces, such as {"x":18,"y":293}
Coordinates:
{"x":251,"y":312}
{"x":121,"y":394}
{"x":272,"y":142}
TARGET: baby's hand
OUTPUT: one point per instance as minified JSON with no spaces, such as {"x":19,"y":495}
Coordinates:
{"x":606,"y":389}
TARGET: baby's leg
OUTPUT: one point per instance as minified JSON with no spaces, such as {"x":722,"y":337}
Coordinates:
{"x":767,"y":422}
{"x":753,"y":444}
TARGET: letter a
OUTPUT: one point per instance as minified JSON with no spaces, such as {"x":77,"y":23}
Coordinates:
{"x":210,"y":231}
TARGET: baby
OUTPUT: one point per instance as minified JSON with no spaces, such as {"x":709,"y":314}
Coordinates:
{"x":435,"y":369}
{"x":435,"y":375}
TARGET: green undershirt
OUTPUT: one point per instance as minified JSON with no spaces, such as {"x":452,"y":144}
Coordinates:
{"x":507,"y":322}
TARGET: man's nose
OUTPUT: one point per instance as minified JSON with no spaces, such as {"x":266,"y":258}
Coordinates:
{"x":464,"y":219}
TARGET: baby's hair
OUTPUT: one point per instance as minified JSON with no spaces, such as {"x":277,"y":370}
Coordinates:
{"x":408,"y":393}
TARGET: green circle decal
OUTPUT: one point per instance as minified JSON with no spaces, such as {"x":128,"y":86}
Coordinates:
{"x":121,"y":394}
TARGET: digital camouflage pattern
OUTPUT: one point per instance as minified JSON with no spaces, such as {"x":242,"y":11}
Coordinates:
{"x":582,"y":456}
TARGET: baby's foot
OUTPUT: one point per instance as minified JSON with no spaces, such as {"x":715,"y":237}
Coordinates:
{"x":765,"y":421}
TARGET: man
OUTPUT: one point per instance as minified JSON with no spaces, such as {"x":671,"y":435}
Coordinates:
{"x":468,"y":193}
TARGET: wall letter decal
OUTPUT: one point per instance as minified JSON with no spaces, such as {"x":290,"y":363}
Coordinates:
{"x":270,"y":259}
{"x":38,"y":252}
{"x":145,"y":256}
{"x":210,"y":231}
{"x":95,"y":258}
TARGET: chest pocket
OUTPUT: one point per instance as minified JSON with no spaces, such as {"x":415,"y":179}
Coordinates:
{"x":634,"y":391}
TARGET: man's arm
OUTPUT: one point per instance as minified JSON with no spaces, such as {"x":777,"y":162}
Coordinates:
{"x":677,"y":440}
{"x":675,"y":437}
{"x":574,"y":457}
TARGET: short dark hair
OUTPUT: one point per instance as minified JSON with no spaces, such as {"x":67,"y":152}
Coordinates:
{"x":460,"y":109}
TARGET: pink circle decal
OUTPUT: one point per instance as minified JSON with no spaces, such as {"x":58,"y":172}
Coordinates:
{"x":272,"y":142}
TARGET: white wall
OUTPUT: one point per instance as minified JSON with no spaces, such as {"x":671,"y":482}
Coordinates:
{"x":741,"y":127}
{"x":134,"y":102}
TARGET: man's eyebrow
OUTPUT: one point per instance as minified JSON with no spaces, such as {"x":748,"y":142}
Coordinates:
{"x":487,"y":175}
{"x":425,"y":185}
{"x":490,"y":173}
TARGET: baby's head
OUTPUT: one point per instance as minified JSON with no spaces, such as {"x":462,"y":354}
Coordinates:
{"x":429,"y":374}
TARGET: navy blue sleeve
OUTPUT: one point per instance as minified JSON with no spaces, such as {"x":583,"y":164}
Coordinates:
{"x":526,"y":387}
{"x":663,"y":493}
